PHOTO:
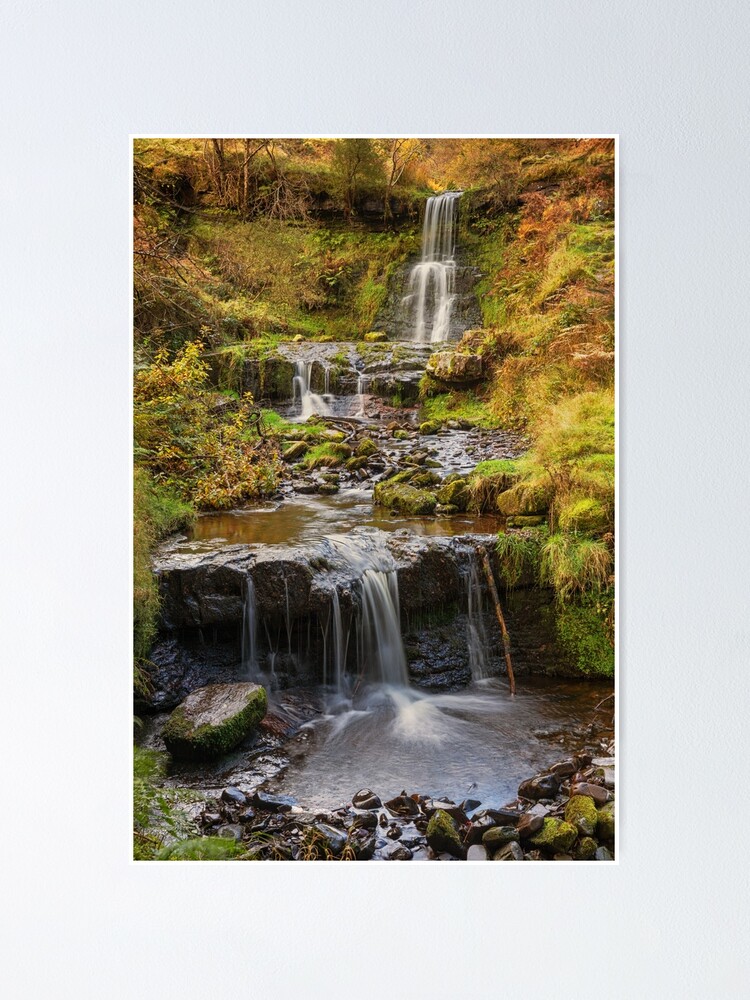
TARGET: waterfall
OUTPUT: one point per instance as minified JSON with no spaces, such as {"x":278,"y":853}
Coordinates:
{"x":310,"y":403}
{"x":249,"y":629}
{"x":476,"y":632}
{"x":363,"y":384}
{"x":339,"y":647}
{"x":432,"y":282}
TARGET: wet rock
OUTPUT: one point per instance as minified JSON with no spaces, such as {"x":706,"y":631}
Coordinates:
{"x":443,"y":835}
{"x":430,"y":806}
{"x":210,"y":818}
{"x":529,"y":825}
{"x":365,"y":821}
{"x":233,"y":795}
{"x":247,"y":815}
{"x":366,"y":799}
{"x":585,"y":849}
{"x":564,"y":768}
{"x":605,"y":825}
{"x":335,"y":840}
{"x":525,"y":498}
{"x":555,"y":835}
{"x":500,"y":817}
{"x":272,"y":803}
{"x":231,"y":831}
{"x":393,"y":832}
{"x":477,"y":852}
{"x":602,"y":854}
{"x":509,"y":852}
{"x":544,"y":786}
{"x":599,"y":794}
{"x":399,"y":853}
{"x":214,"y":719}
{"x":375,"y":337}
{"x":581,"y":813}
{"x":402,"y":805}
{"x":365,"y":448}
{"x":362,"y":843}
{"x":498,"y":836}
{"x":455,"y":494}
{"x":469,"y":805}
{"x":428,"y":427}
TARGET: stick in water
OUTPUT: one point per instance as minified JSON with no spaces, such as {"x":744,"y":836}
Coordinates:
{"x":499,"y":612}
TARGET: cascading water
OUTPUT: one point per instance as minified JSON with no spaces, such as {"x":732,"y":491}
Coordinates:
{"x":363,"y":384}
{"x":310,"y":402}
{"x":476,"y":632}
{"x":249,"y":630}
{"x":432,"y":282}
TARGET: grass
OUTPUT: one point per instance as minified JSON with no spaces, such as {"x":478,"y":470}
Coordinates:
{"x":574,"y":565}
{"x":328,"y":454}
{"x":519,"y":554}
{"x":457,"y":406}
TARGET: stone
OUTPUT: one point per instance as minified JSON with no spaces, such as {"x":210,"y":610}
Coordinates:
{"x":602,"y":854}
{"x":599,"y":794}
{"x":362,"y":843}
{"x":605,"y":826}
{"x":469,"y":805}
{"x":428,"y":427}
{"x":335,"y":839}
{"x":562,"y":857}
{"x":564,"y":768}
{"x":273,"y":803}
{"x":509,"y":852}
{"x":585,"y":849}
{"x":214,"y":719}
{"x":526,"y":520}
{"x":294,"y":451}
{"x":247,"y":815}
{"x":443,"y":835}
{"x":454,"y":367}
{"x":455,"y":493}
{"x":581,"y":813}
{"x":543,"y":786}
{"x":498,"y":836}
{"x":230,"y":831}
{"x":477,"y":852}
{"x":429,"y":806}
{"x":399,"y":853}
{"x":400,"y":435}
{"x":366,"y":799}
{"x":529,"y":825}
{"x":403,"y":498}
{"x":297,"y":338}
{"x":526,"y":498}
{"x":365,"y":821}
{"x":365,"y":448}
{"x":402,"y":805}
{"x":376,"y":337}
{"x":234,"y":795}
{"x":555,"y":835}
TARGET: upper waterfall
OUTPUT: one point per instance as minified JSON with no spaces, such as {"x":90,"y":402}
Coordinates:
{"x":432,"y":281}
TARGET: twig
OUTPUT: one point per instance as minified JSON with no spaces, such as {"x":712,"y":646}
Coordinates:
{"x":499,"y":612}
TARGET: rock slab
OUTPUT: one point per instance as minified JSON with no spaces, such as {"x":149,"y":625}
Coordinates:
{"x":214,"y":719}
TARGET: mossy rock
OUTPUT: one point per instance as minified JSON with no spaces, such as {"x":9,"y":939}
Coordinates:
{"x":455,"y":493}
{"x":365,"y":448}
{"x":352,"y":464}
{"x":400,"y":435}
{"x":585,"y":849}
{"x":405,"y":476}
{"x":525,"y":498}
{"x":555,"y":835}
{"x":443,"y":835}
{"x":430,"y":427}
{"x":587,"y":516}
{"x":328,"y":489}
{"x":294,"y":451}
{"x":214,"y":719}
{"x":498,"y":836}
{"x":424,"y":479}
{"x":404,"y":498}
{"x":456,"y":368}
{"x":376,"y":337}
{"x":605,"y":826}
{"x":581,"y":813}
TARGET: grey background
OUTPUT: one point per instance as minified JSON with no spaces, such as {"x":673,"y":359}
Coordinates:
{"x":671,"y":919}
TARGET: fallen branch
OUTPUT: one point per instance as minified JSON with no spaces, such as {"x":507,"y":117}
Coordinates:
{"x":501,"y":619}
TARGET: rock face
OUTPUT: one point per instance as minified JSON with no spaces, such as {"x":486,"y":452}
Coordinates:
{"x":214,"y":719}
{"x":398,"y":320}
{"x":404,"y":498}
{"x":455,"y":368}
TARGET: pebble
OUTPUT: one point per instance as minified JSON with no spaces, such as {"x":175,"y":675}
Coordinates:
{"x":602,"y":854}
{"x":477,"y":852}
{"x":231,"y":831}
{"x":232,"y":794}
{"x":366,"y":799}
{"x":599,"y":794}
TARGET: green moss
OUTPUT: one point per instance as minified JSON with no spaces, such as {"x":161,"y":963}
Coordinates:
{"x":328,"y":454}
{"x":554,"y":836}
{"x":182,"y":739}
{"x":586,"y":515}
{"x":584,"y":632}
{"x":365,"y":448}
{"x":585,"y":849}
{"x":498,"y":836}
{"x":530,"y":497}
{"x":400,"y":435}
{"x":605,"y":826}
{"x":404,"y":498}
{"x":526,"y":521}
{"x":455,"y":493}
{"x":519,"y":556}
{"x":443,"y":835}
{"x":580,"y":812}
{"x":430,"y":427}
{"x":202,"y":849}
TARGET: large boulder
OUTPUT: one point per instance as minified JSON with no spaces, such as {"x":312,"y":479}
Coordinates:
{"x":525,"y":498}
{"x":443,"y":836}
{"x":214,"y":719}
{"x":555,"y":835}
{"x":455,"y":368}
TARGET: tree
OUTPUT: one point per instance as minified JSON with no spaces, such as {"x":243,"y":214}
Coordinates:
{"x":356,"y":165}
{"x":400,"y":153}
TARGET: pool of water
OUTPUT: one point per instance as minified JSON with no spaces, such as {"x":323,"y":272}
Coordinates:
{"x":306,"y":519}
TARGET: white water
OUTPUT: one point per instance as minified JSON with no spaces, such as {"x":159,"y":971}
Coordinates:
{"x":432,"y":282}
{"x":363,"y":384}
{"x":476,"y":631}
{"x":310,"y":402}
{"x":249,"y":630}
